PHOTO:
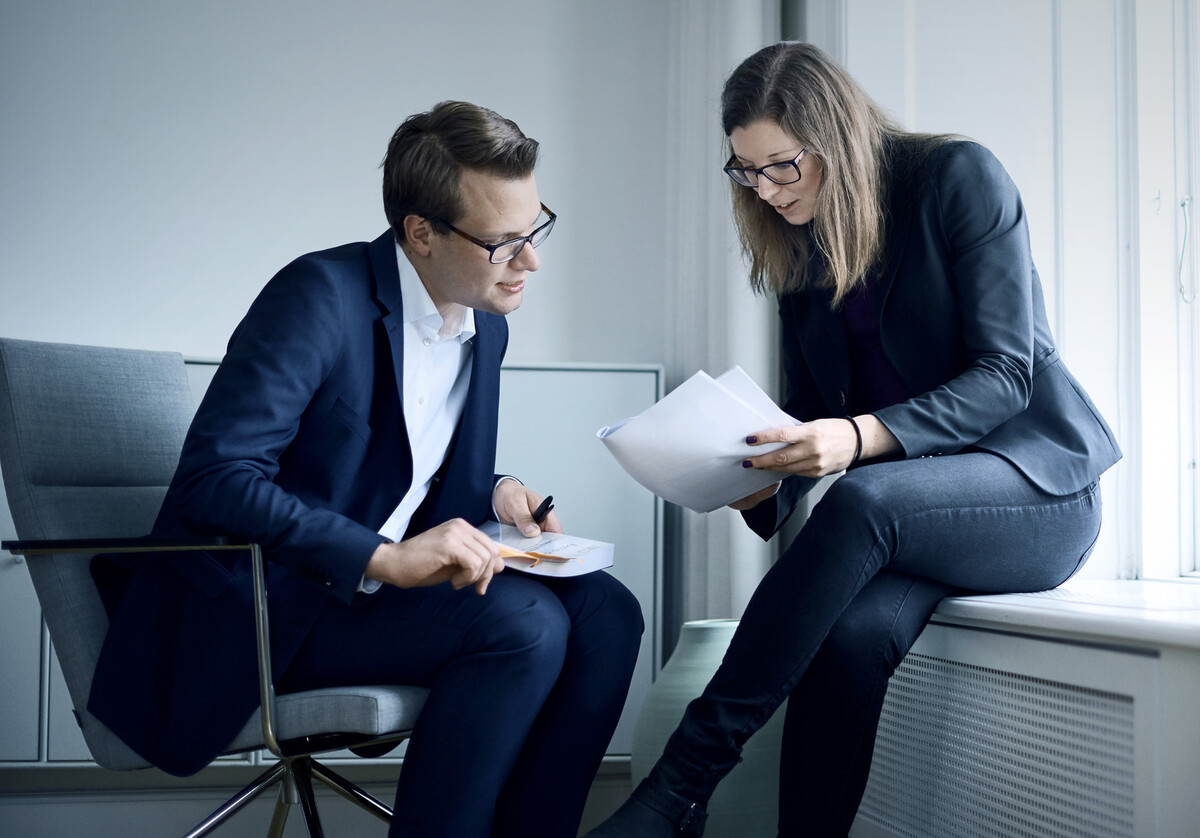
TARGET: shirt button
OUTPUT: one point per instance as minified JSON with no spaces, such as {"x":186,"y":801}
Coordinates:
{"x":421,"y":400}
{"x":428,"y":341}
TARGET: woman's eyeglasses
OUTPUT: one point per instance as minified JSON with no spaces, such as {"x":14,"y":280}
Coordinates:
{"x":782,"y":173}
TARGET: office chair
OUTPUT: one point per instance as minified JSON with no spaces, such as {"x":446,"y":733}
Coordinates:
{"x":89,"y":441}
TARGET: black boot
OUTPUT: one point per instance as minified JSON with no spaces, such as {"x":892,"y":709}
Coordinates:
{"x":653,"y":812}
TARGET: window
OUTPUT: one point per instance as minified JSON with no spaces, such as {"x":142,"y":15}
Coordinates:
{"x":1168,"y":194}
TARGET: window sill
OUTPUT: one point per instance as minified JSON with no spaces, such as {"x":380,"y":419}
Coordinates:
{"x":1138,"y":611}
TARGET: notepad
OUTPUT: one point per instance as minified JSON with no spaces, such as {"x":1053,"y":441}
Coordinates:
{"x":549,"y":554}
{"x":688,"y":447}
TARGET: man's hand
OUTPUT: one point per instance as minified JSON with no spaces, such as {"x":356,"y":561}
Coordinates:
{"x":454,"y":551}
{"x":515,"y":505}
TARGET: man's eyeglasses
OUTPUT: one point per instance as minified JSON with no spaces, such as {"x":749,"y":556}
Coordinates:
{"x":507,"y":250}
{"x":781,"y":173}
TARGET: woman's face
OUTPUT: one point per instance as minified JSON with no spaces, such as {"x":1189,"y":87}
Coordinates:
{"x":763,"y":143}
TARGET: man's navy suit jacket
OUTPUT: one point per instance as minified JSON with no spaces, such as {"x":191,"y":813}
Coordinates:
{"x":963,"y":321}
{"x":299,"y":446}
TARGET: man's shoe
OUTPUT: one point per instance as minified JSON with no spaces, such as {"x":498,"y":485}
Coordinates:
{"x":653,"y":812}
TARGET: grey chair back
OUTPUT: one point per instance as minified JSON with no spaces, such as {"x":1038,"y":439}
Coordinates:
{"x":89,"y":441}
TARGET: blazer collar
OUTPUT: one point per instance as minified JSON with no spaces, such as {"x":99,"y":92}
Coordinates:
{"x":899,"y":225}
{"x":385,"y":278}
{"x":823,"y":330}
{"x":385,"y":273}
{"x":385,"y":285}
{"x":901,"y":210}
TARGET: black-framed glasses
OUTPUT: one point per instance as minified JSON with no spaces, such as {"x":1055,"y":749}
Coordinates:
{"x":782,"y":173}
{"x":506,"y":251}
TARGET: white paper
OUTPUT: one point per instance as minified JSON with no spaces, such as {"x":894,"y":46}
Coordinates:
{"x":586,"y":555}
{"x":689,"y":447}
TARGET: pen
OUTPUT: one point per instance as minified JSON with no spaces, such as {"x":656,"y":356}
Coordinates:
{"x":543,"y":510}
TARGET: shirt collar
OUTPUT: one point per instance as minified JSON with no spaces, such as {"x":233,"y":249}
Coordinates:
{"x":419,"y":308}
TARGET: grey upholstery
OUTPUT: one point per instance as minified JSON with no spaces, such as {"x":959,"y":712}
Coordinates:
{"x":369,"y":711}
{"x":89,"y":440}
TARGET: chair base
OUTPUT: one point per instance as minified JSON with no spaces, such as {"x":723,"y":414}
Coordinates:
{"x":295,"y":776}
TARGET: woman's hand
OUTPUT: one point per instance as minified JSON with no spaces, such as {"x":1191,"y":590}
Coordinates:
{"x":751,"y":501}
{"x":822,"y":446}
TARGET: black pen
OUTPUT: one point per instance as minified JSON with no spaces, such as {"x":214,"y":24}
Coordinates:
{"x":543,"y":510}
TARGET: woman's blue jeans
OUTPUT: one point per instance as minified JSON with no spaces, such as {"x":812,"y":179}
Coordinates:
{"x":836,"y":614}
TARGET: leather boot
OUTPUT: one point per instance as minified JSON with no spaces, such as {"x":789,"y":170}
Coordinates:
{"x":653,"y":812}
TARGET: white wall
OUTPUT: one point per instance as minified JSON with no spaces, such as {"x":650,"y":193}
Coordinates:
{"x":161,"y":160}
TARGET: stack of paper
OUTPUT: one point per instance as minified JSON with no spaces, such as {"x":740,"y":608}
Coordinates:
{"x":689,"y":447}
{"x":549,"y":554}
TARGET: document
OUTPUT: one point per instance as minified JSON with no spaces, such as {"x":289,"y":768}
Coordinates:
{"x":688,"y":448}
{"x":550,"y":553}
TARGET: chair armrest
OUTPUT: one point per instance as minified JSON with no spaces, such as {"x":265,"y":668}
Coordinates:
{"x":150,"y":544}
{"x":266,"y":684}
{"x":35,"y":547}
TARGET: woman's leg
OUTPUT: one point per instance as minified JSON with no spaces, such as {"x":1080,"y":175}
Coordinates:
{"x":971,"y":521}
{"x":832,"y":715}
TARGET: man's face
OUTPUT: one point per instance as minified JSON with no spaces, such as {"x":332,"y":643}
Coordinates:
{"x":458,"y":271}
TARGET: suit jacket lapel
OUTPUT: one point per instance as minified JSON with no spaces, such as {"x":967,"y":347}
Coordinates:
{"x":823,"y":341}
{"x":823,"y":330}
{"x":462,"y":487}
{"x":385,"y":287}
{"x":385,"y":278}
{"x":899,"y":226}
{"x":473,"y":452}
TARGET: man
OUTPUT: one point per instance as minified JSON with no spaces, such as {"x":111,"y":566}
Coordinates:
{"x":351,"y":431}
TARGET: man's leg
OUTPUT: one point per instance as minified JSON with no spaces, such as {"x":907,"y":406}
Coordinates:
{"x":489,"y":661}
{"x":549,"y":785}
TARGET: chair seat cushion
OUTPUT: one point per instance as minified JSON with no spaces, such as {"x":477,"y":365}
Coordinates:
{"x":371,"y":711}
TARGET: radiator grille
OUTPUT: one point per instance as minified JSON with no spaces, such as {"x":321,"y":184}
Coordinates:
{"x":964,"y":750}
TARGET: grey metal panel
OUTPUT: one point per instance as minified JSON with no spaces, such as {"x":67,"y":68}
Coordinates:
{"x":549,"y":416}
{"x":64,"y":740}
{"x":997,"y":733}
{"x":20,"y":659}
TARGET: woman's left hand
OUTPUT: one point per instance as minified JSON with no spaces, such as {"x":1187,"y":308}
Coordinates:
{"x":822,"y":446}
{"x":817,"y":448}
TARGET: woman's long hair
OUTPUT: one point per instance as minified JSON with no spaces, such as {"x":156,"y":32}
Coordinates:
{"x":815,"y":101}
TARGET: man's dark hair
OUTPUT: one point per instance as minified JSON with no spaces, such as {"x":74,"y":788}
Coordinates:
{"x":429,"y":151}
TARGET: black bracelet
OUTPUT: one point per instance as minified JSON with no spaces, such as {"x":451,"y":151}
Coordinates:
{"x":857,"y":440}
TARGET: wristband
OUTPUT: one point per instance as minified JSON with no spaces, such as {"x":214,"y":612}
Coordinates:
{"x":857,"y":440}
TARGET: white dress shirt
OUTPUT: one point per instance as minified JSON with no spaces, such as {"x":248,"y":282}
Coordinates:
{"x":437,"y":370}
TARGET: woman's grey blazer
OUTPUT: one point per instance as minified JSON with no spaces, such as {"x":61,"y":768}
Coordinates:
{"x":963,"y":321}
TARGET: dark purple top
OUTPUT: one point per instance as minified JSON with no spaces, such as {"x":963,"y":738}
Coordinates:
{"x":874,"y":382}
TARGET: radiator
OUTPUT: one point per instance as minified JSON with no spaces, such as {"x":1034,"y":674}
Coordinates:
{"x":995,"y":732}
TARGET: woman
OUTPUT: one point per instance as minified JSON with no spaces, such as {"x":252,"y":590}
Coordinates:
{"x":919,"y":358}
